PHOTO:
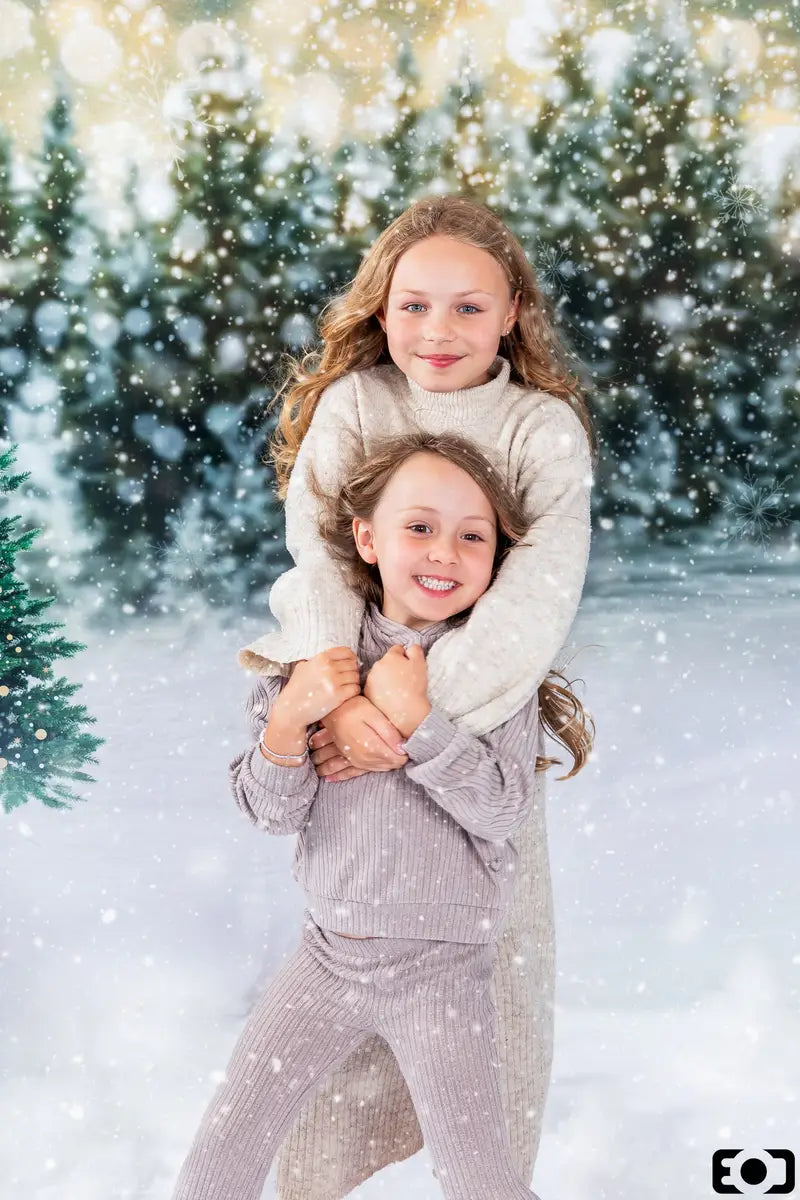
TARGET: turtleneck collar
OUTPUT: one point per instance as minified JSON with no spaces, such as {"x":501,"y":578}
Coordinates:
{"x":464,"y":402}
{"x":380,"y":632}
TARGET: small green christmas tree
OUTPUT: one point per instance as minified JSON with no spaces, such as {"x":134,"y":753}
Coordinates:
{"x":41,"y":743}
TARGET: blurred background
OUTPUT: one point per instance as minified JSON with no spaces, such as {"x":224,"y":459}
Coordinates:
{"x":183,"y":187}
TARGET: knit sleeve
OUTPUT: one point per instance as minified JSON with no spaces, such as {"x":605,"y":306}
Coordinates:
{"x":276,"y":799}
{"x":486,"y":783}
{"x":482,"y":672}
{"x":312,"y":602}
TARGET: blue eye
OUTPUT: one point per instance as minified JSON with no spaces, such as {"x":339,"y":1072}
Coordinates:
{"x":417,"y":304}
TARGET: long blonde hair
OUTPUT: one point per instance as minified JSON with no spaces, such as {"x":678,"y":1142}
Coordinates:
{"x":367,"y":475}
{"x":352,"y":337}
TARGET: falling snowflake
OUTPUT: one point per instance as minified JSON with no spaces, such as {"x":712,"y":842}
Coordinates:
{"x":757,"y":511}
{"x":553,"y":266}
{"x":739,"y":202}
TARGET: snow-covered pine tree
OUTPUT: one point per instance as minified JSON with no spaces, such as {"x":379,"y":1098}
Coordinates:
{"x":378,"y":177}
{"x":670,"y":291}
{"x":468,"y":163}
{"x":780,"y":391}
{"x":553,"y":188}
{"x":254,"y":256}
{"x":54,"y":355}
{"x":115,"y":466}
{"x":43,"y":745}
{"x":12,"y":360}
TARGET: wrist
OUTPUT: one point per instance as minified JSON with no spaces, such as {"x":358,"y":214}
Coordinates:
{"x":413,"y":720}
{"x":284,"y":734}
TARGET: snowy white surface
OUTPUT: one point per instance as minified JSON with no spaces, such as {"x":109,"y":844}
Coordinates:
{"x":140,"y":926}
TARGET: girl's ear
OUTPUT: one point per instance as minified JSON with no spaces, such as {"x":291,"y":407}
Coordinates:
{"x":362,"y":536}
{"x":381,"y":319}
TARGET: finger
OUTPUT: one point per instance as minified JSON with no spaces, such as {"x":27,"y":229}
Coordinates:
{"x":325,"y":755}
{"x":340,"y":652}
{"x":348,"y":678}
{"x":346,"y":671}
{"x":322,"y":737}
{"x":389,"y":736}
{"x":333,"y":766}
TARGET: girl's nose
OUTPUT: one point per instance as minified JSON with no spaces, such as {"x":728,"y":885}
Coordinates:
{"x":443,"y":551}
{"x":438,"y":326}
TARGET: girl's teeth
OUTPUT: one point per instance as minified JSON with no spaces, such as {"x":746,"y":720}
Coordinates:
{"x":436,"y":584}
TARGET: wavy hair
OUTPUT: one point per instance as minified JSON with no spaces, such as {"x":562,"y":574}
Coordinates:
{"x":352,"y":337}
{"x":367,"y":476}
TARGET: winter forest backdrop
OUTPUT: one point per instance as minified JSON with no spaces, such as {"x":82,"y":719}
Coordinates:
{"x":183,"y":187}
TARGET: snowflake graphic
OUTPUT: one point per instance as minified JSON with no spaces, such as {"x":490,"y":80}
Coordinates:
{"x":188,"y":559}
{"x":757,"y":511}
{"x":553,"y":265}
{"x":739,"y":202}
{"x":145,"y":86}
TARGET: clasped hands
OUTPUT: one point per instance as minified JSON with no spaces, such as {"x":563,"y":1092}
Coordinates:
{"x":364,"y":733}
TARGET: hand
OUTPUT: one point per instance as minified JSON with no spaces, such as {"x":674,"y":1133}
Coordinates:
{"x":318,"y":685}
{"x":329,"y":764}
{"x":365,"y":737}
{"x":398,"y":686}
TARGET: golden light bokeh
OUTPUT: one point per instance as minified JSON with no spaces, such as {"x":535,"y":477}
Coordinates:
{"x":318,"y":67}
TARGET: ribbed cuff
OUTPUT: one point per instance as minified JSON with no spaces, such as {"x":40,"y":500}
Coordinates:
{"x":433,"y":735}
{"x":284,"y":781}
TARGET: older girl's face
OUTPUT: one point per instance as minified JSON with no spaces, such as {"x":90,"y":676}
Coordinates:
{"x":432,"y":527}
{"x":447,"y":298}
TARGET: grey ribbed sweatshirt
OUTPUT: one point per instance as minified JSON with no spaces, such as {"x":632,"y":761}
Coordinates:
{"x":424,"y":851}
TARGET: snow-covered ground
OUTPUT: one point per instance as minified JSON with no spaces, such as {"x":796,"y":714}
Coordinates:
{"x":140,"y":926}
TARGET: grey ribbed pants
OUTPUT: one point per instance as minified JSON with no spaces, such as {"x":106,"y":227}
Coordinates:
{"x":428,"y":999}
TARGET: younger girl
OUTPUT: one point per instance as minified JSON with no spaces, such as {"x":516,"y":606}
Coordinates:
{"x":443,"y":328}
{"x":418,"y":862}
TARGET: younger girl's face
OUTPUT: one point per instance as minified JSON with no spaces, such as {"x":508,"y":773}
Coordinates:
{"x":432,"y":526}
{"x":447,"y":298}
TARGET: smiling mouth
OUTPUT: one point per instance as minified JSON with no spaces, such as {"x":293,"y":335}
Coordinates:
{"x":432,"y":585}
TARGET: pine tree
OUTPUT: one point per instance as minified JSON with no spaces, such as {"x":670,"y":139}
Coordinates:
{"x":42,"y":744}
{"x":378,"y":178}
{"x":670,"y":292}
{"x":55,"y":354}
{"x":109,"y":454}
{"x":12,"y":360}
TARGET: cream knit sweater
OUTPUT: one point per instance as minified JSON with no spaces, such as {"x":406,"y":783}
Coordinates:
{"x":479,"y":675}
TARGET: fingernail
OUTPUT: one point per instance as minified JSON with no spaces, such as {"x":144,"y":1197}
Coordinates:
{"x":399,"y":748}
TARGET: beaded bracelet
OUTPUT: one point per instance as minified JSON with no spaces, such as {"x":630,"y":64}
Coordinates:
{"x":283,"y":757}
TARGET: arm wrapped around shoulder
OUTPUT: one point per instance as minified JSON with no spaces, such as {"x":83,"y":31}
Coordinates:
{"x":482,"y":672}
